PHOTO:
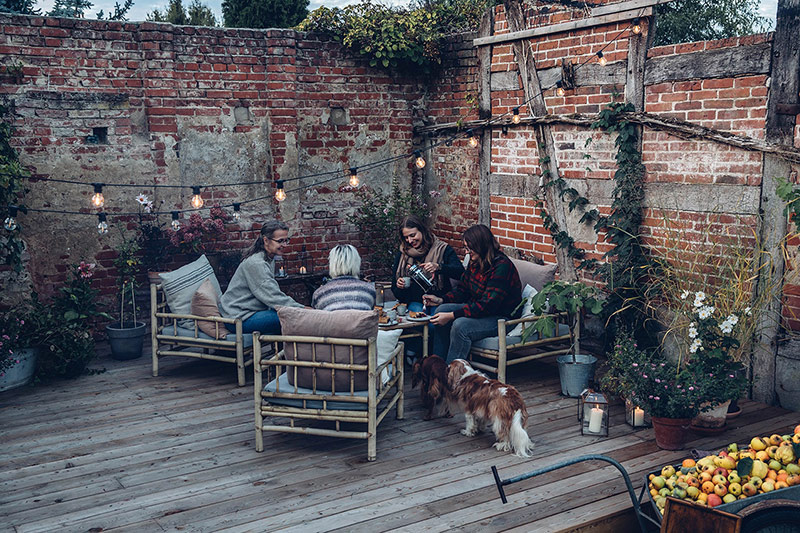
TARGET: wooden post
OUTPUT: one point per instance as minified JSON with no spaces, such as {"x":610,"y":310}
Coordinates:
{"x":485,"y":111}
{"x":544,"y":135}
{"x":782,"y":108}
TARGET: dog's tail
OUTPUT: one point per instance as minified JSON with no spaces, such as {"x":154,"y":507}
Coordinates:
{"x":520,"y":441}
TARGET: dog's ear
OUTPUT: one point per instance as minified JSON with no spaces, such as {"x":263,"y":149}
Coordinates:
{"x":416,"y":374}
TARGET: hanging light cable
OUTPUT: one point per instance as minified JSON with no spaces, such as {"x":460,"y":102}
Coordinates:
{"x":98,"y":200}
{"x":102,"y":224}
{"x":419,"y":161}
{"x":280,"y":194}
{"x":237,"y":212}
{"x":197,"y":200}
{"x":354,"y":181}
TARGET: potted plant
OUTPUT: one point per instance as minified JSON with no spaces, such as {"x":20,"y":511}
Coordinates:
{"x":575,"y":369}
{"x":127,"y":336}
{"x":17,"y":354}
{"x":152,"y":239}
{"x":203,"y":236}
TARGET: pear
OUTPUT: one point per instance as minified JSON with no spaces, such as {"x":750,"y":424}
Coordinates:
{"x":775,"y":465}
{"x":725,"y":462}
{"x":757,"y":444}
{"x":759,"y":469}
{"x":733,"y":447}
{"x":793,"y":469}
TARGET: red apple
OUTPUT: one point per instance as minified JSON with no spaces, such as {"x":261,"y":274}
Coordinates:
{"x":714,"y":500}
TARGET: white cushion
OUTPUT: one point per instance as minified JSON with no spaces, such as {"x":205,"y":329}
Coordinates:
{"x":180,"y":285}
{"x":527,"y":310}
{"x":386,"y":343}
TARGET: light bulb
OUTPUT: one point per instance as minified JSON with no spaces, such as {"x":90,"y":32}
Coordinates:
{"x":420,"y":161}
{"x":237,"y":215}
{"x":197,"y":200}
{"x":176,"y":223}
{"x":10,"y":223}
{"x":601,"y":59}
{"x":354,"y":181}
{"x":636,"y":27}
{"x":97,"y":198}
{"x":560,"y":88}
{"x":515,"y":117}
{"x":102,"y":225}
{"x":280,"y":194}
{"x":473,"y":141}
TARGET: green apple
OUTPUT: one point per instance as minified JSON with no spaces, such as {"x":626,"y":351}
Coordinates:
{"x":658,"y":482}
{"x":775,"y":465}
{"x":728,"y":498}
{"x":733,"y":477}
{"x":735,"y":489}
{"x":756,"y":482}
{"x":668,"y":471}
{"x":733,"y":447}
{"x":693,"y":492}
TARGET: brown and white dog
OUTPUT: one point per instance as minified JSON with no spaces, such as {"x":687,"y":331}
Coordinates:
{"x":488,"y":400}
{"x":431,"y":372}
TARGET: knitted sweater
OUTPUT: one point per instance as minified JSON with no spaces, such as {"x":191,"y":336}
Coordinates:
{"x":344,"y":292}
{"x":253,"y":288}
{"x":496,"y":292}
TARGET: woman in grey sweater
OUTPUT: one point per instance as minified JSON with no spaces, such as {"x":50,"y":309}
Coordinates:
{"x":345,"y":290}
{"x":253,"y":294}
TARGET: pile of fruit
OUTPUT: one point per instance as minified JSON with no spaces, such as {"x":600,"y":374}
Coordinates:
{"x":769,"y":463}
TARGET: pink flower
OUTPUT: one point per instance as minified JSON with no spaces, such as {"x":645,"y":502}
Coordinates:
{"x":691,"y":388}
{"x":656,"y":397}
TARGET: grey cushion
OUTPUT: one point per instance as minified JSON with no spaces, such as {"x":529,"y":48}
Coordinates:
{"x":493,"y":343}
{"x":247,"y":338}
{"x":537,"y":276}
{"x":283,"y":382}
{"x":180,"y":285}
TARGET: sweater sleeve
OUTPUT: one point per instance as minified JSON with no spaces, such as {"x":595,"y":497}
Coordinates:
{"x":265,"y":288}
{"x":460,"y":292}
{"x":492,"y":300}
{"x":451,"y":267}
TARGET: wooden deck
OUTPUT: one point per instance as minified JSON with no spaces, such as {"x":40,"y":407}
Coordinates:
{"x":125,"y":451}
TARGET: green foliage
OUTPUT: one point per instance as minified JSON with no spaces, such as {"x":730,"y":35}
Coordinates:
{"x":378,"y":218}
{"x":120,"y":11}
{"x":128,"y":264}
{"x":562,"y":297}
{"x":263,"y":13}
{"x":11,"y":189}
{"x":69,"y":8}
{"x":699,"y":20}
{"x":393,"y":37}
{"x":623,"y":362}
{"x":790,"y":193}
{"x":22,"y":7}
{"x":197,"y":14}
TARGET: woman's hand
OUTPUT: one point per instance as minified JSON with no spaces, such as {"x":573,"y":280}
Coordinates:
{"x":430,"y":268}
{"x":440,"y":319}
{"x":429,"y":300}
{"x":401,"y":284}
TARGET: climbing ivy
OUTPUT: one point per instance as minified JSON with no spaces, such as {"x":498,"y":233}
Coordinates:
{"x":11,"y":188}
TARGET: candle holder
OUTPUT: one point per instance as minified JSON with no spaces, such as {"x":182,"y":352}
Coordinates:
{"x":595,"y":415}
{"x":635,"y":416}
{"x":280,"y":268}
{"x":306,"y":264}
{"x":582,"y":400}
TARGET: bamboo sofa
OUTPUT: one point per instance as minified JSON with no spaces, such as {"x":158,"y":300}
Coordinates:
{"x":496,"y":354}
{"x":325,"y":382}
{"x":180,"y":333}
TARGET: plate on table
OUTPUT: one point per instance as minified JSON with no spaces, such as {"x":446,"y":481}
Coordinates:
{"x":419,"y":319}
{"x":387,"y":324}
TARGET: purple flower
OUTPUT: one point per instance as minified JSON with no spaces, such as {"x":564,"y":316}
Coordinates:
{"x":644,"y":376}
{"x":635,"y":365}
{"x":658,"y":380}
{"x":691,"y":388}
{"x":730,"y":375}
{"x":656,"y":398}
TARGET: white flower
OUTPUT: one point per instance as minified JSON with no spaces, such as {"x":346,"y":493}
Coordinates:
{"x":698,"y":298}
{"x":726,"y":327}
{"x":692,"y":330}
{"x":705,"y":312}
{"x":148,"y":207}
{"x":696,"y":345}
{"x":684,"y":295}
{"x":143,"y":199}
{"x":747,"y":311}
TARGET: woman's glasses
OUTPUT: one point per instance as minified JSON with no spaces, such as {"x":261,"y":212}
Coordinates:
{"x":281,"y":241}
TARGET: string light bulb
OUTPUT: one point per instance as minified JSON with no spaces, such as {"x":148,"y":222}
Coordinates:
{"x":176,"y":222}
{"x":473,"y":141}
{"x":197,"y":200}
{"x":237,"y":214}
{"x":560,"y":91}
{"x":636,"y":26}
{"x":354,"y":181}
{"x":515,"y":116}
{"x":601,"y":58}
{"x":420,"y":161}
{"x":280,"y":194}
{"x":10,"y":223}
{"x":97,"y":198}
{"x":102,"y":224}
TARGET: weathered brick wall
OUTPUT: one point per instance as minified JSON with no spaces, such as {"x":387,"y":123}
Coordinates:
{"x":195,"y":106}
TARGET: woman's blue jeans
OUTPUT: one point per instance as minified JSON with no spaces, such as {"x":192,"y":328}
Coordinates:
{"x":265,"y":322}
{"x":454,"y":340}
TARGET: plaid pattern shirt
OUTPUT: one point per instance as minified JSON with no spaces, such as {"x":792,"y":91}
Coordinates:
{"x":496,"y":292}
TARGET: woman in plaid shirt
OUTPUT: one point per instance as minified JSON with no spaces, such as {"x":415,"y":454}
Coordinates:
{"x":489,"y":289}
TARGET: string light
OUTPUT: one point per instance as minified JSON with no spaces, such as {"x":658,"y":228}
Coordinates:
{"x":420,"y":161}
{"x":10,"y":222}
{"x":197,"y":200}
{"x":473,"y":141}
{"x":354,"y":181}
{"x":504,"y":129}
{"x":176,"y":222}
{"x":97,"y":198}
{"x":102,"y":224}
{"x":237,"y":215}
{"x":280,"y":194}
{"x":560,"y":88}
{"x":601,"y":58}
{"x":636,"y":26}
{"x":515,"y":117}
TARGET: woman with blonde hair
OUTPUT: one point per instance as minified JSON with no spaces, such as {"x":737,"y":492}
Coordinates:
{"x":344,"y":290}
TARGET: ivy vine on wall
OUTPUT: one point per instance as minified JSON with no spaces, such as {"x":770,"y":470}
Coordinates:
{"x":11,"y":188}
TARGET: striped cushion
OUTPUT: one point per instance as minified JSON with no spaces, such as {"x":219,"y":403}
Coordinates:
{"x":180,"y":285}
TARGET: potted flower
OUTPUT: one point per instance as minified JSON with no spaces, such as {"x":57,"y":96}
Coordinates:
{"x":17,"y":355}
{"x":575,"y":369}
{"x":202,"y":236}
{"x":127,"y":336}
{"x":152,"y":238}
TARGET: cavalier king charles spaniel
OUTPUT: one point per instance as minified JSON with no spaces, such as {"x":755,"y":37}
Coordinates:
{"x":431,"y":372}
{"x":484,"y":400}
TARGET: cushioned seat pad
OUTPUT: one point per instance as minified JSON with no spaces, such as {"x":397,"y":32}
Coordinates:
{"x":493,"y":343}
{"x":247,"y":338}
{"x":283,"y":382}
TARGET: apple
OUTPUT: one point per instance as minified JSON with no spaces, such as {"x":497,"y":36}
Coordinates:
{"x":768,"y":486}
{"x":797,"y":429}
{"x":792,"y":469}
{"x":733,"y":477}
{"x":693,"y":492}
{"x":688,"y":463}
{"x":668,"y":471}
{"x":757,"y":444}
{"x":756,"y":482}
{"x":720,"y":490}
{"x":705,"y":476}
{"x":679,"y":492}
{"x":714,"y":500}
{"x":763,"y":455}
{"x":775,"y":439}
{"x":781,"y":485}
{"x":658,"y":482}
{"x":775,"y":465}
{"x":720,"y":471}
{"x":793,"y":480}
{"x":748,"y":489}
{"x":692,"y":481}
{"x":735,"y":489}
{"x":707,"y":487}
{"x":665,"y":492}
{"x":796,"y":438}
{"x":719,"y":479}
{"x":728,"y":498}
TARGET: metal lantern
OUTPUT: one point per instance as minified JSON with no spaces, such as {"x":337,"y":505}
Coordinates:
{"x":306,"y":263}
{"x":595,"y":415}
{"x":280,"y":269}
{"x":635,"y":415}
{"x":581,"y":400}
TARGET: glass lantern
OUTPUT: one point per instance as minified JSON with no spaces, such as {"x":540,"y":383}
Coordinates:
{"x":581,"y":400}
{"x":280,"y":268}
{"x":595,"y":415}
{"x":635,"y":416}
{"x":306,"y":264}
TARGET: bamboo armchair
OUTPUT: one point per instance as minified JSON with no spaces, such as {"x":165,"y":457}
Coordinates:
{"x":281,"y":399}
{"x":170,"y":338}
{"x":496,"y":354}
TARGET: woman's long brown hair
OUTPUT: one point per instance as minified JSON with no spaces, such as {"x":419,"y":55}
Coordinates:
{"x":482,"y":242}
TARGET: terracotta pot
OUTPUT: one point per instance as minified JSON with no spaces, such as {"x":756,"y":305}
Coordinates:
{"x":671,"y":433}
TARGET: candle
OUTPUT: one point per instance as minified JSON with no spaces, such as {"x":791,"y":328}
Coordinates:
{"x":638,"y":417}
{"x":302,"y":269}
{"x":281,"y":272}
{"x":595,"y":420}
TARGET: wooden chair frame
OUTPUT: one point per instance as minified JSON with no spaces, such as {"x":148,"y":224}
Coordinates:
{"x":497,"y":361}
{"x":378,"y":402}
{"x":167,"y":342}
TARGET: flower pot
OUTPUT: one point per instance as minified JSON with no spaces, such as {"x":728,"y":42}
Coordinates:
{"x":21,"y":373}
{"x":713,"y":418}
{"x":671,"y":433}
{"x":126,"y":343}
{"x":575,"y":371}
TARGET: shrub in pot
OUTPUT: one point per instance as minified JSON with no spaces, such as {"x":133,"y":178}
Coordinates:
{"x":126,"y":337}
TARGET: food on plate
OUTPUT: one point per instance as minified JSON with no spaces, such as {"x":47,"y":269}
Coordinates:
{"x":417,"y":314}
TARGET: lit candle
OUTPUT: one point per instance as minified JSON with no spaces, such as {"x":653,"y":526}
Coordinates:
{"x":281,"y":272}
{"x":595,"y":420}
{"x":302,"y":269}
{"x":638,"y":417}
